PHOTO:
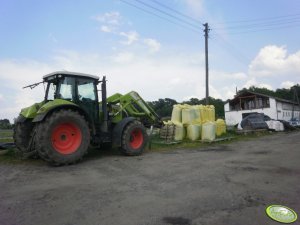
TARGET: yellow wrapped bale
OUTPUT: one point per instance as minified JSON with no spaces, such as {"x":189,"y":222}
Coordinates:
{"x":180,"y":132}
{"x":194,"y":132}
{"x":207,"y":113}
{"x":220,"y":127}
{"x":189,"y":115}
{"x":208,"y":131}
{"x":211,"y":113}
{"x":176,"y":114}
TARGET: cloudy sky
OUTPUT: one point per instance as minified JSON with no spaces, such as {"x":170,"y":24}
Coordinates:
{"x":151,"y":46}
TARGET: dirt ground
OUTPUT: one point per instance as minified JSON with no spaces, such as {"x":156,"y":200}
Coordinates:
{"x":220,"y":184}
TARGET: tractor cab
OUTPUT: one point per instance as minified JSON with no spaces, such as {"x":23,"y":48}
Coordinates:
{"x":77,"y":88}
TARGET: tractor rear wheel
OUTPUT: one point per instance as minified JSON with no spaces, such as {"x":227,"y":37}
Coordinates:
{"x":134,"y":139}
{"x":63,"y":138}
{"x":22,"y":135}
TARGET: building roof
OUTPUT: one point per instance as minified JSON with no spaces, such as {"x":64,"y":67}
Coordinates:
{"x":245,"y":92}
{"x":71,"y":74}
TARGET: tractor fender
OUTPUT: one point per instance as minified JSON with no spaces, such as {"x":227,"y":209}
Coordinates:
{"x":21,"y":119}
{"x":118,"y":130}
{"x":41,"y":116}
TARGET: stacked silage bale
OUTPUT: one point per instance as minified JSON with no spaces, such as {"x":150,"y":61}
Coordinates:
{"x":196,"y":122}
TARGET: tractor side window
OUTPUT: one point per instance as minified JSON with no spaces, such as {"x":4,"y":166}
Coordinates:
{"x":51,"y":91}
{"x":86,"y":90}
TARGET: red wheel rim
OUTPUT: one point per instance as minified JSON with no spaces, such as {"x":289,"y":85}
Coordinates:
{"x":66,"y":138}
{"x":136,"y":138}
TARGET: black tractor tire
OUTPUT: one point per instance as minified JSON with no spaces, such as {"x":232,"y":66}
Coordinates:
{"x":63,"y":138}
{"x":22,"y":135}
{"x":134,"y":139}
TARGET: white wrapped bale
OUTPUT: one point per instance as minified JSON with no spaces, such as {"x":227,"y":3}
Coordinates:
{"x":194,"y":132}
{"x":208,"y":131}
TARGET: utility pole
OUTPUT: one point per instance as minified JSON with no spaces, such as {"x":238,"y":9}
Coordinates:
{"x":206,"y":30}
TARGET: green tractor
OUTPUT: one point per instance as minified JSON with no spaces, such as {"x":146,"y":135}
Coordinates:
{"x":61,"y":128}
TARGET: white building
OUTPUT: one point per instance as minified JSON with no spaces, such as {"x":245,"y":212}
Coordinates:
{"x":248,"y":102}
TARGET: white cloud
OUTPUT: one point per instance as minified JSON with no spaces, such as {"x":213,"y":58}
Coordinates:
{"x":112,"y":18}
{"x":154,"y":45}
{"x":274,"y":67}
{"x":106,"y":29}
{"x":131,"y":37}
{"x":287,"y":84}
{"x":254,"y":82}
{"x":273,"y":61}
{"x":110,"y":21}
{"x":1,"y":97}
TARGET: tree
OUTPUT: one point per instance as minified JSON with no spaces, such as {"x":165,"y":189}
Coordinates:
{"x":163,"y":107}
{"x":5,"y":124}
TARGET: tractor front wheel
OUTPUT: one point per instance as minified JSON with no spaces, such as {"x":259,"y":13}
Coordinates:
{"x":63,"y":138}
{"x":134,"y":139}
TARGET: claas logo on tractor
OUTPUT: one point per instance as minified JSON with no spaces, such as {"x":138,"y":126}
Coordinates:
{"x":72,"y":116}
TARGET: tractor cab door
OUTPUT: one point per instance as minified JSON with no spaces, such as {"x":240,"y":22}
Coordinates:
{"x":87,"y":97}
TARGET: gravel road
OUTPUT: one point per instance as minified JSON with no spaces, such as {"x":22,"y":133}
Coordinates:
{"x":220,"y":184}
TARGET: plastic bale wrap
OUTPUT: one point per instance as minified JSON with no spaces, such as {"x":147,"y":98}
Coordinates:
{"x":189,"y":115}
{"x":194,"y":132}
{"x":203,"y":113}
{"x":220,"y":127}
{"x":211,"y":113}
{"x":270,"y":124}
{"x":208,"y":131}
{"x":198,"y":119}
{"x":207,"y":113}
{"x":179,"y":132}
{"x":176,"y":114}
{"x":278,"y":126}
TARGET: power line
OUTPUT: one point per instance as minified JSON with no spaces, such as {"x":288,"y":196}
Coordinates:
{"x":163,"y":18}
{"x":230,"y":49}
{"x":177,"y":12}
{"x":259,"y":19}
{"x":241,"y":27}
{"x":262,"y":24}
{"x":168,"y":14}
{"x":262,"y":29}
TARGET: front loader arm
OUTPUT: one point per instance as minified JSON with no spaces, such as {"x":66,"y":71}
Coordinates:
{"x":133,"y":105}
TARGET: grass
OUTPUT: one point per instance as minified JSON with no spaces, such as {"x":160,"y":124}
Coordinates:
{"x":6,"y":136}
{"x":158,"y":145}
{"x":6,"y":133}
{"x":12,"y":156}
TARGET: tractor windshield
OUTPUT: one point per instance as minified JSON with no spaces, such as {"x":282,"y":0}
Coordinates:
{"x":66,"y":88}
{"x":60,"y":88}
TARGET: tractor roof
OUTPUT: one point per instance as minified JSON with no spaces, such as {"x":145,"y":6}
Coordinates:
{"x":68,"y":73}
